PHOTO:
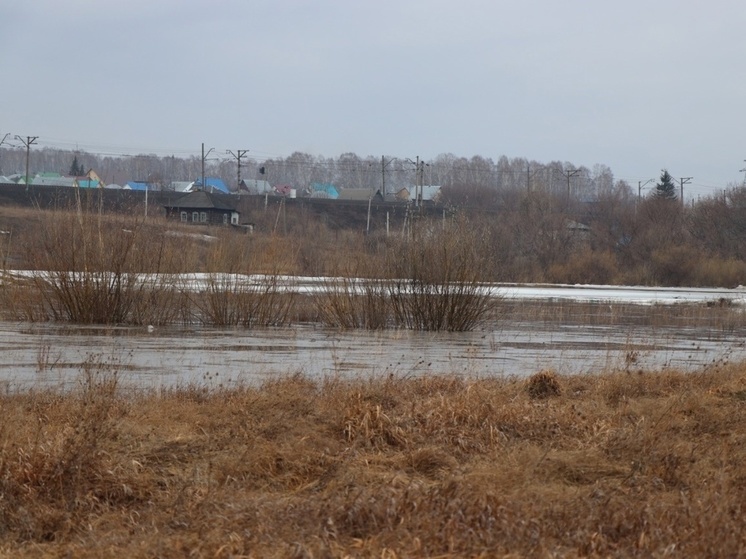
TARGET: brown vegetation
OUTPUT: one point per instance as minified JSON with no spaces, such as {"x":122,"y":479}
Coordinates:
{"x":96,"y":268}
{"x":432,"y":284}
{"x":514,"y":235}
{"x":641,"y":464}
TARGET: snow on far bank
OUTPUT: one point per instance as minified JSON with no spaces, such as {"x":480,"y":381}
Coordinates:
{"x":639,"y":295}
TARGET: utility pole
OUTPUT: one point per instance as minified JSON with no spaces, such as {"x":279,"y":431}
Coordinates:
{"x":529,"y":174}
{"x":417,"y":182}
{"x":1,"y":145}
{"x":568,"y":174}
{"x":28,"y":142}
{"x":238,"y":155}
{"x":741,"y":171}
{"x":384,"y":164}
{"x":684,"y":180}
{"x":204,"y":158}
{"x":640,"y":184}
{"x":416,"y":177}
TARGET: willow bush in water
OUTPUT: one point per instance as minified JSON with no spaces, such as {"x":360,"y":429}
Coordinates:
{"x":437,"y":284}
{"x":428,"y":281}
{"x":232,"y":294}
{"x":94,"y":268}
{"x":351,"y":303}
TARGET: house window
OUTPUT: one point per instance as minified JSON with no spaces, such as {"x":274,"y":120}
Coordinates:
{"x":184,"y":216}
{"x":203,"y":217}
{"x":195,"y":217}
{"x":234,"y":219}
{"x":225,"y":219}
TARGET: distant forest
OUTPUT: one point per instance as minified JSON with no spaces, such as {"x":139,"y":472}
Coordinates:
{"x":532,"y":221}
{"x":349,"y":170}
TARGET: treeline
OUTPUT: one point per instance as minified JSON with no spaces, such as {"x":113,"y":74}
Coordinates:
{"x":519,"y":236}
{"x":613,"y":238}
{"x":349,"y":170}
{"x":536,"y":222}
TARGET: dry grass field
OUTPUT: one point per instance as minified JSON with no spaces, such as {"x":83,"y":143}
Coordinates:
{"x":644,"y":464}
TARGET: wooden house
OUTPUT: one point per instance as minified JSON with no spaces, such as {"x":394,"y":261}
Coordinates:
{"x":205,"y":208}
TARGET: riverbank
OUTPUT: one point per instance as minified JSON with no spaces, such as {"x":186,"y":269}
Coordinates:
{"x":643,"y":463}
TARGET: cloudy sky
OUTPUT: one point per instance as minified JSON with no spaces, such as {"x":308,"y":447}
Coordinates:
{"x":639,"y":85}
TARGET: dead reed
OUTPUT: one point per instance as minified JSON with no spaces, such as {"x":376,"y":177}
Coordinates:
{"x":619,"y":464}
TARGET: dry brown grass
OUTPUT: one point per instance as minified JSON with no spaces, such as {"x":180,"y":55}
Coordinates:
{"x":647,"y":465}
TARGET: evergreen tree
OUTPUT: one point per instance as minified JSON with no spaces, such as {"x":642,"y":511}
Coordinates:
{"x":76,"y":168}
{"x":666,"y":188}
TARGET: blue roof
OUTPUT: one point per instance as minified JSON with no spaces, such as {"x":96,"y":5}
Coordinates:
{"x":329,"y":189}
{"x":88,"y":183}
{"x":212,"y":184}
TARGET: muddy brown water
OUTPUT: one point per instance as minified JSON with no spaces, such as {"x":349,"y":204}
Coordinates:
{"x":57,"y":356}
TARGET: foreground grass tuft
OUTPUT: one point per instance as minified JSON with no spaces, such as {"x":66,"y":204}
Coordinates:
{"x":643,"y":464}
{"x":543,"y":385}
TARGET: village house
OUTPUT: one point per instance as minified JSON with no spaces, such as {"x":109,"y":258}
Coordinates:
{"x":360,"y":194}
{"x":205,"y":208}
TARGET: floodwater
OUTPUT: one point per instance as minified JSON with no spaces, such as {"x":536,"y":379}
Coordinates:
{"x":44,"y":355}
{"x":53,"y":355}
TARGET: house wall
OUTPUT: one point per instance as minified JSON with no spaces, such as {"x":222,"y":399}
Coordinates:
{"x":199,"y":216}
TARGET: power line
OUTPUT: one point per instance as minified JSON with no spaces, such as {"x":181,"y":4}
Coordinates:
{"x":684,"y":180}
{"x":569,"y":174}
{"x":237,"y":156}
{"x":28,"y":142}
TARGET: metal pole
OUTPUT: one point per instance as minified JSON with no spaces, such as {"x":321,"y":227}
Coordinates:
{"x":1,"y":145}
{"x":238,"y":155}
{"x":28,"y":142}
{"x":684,"y":180}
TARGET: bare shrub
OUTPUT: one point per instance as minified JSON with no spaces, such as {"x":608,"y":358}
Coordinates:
{"x":543,"y":384}
{"x":20,"y":300}
{"x":242,"y":300}
{"x":90,"y":266}
{"x":429,"y":282}
{"x":720,"y":272}
{"x":232,"y":296}
{"x":436,"y":281}
{"x":674,"y":265}
{"x":586,"y":267}
{"x":354,"y":303}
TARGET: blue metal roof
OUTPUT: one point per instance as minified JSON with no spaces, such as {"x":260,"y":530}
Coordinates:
{"x":329,"y":189}
{"x":88,"y":183}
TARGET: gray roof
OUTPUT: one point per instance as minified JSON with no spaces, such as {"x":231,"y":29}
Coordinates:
{"x":53,"y":181}
{"x":254,"y":186}
{"x":201,"y":200}
{"x":182,"y":186}
{"x":359,"y":194}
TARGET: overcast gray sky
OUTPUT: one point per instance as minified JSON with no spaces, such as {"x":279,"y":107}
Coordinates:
{"x":638,"y":85}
